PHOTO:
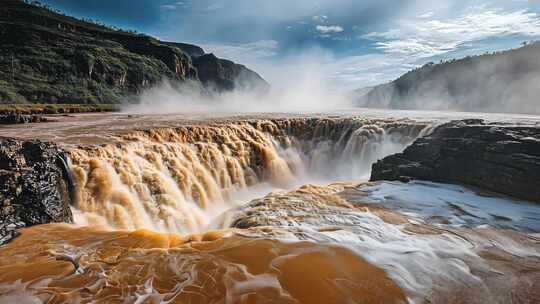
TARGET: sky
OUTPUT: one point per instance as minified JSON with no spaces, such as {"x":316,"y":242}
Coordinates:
{"x":348,"y":43}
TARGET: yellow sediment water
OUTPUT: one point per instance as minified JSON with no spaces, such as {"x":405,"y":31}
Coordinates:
{"x":140,"y":198}
{"x":62,"y":264}
{"x":178,"y":179}
{"x":165,"y":179}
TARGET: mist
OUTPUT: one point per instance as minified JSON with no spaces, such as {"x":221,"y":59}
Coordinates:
{"x":504,"y":82}
{"x":298,"y":83}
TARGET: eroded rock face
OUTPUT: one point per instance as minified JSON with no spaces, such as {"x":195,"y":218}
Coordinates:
{"x":225,"y":75}
{"x":48,"y":57}
{"x":34,"y":186}
{"x":500,"y":158}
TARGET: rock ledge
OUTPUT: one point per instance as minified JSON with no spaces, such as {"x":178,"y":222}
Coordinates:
{"x":496,"y":157}
{"x":34,"y":186}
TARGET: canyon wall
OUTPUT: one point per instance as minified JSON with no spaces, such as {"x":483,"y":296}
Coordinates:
{"x":48,"y":57}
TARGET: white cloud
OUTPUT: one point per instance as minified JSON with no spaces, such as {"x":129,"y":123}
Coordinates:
{"x":404,"y":38}
{"x":172,"y":7}
{"x":426,"y":15}
{"x":320,"y":18}
{"x":327,"y":29}
{"x":168,"y":7}
{"x":213,"y":7}
{"x":414,"y":42}
{"x":244,"y":53}
{"x":423,"y":39}
{"x":366,"y":70}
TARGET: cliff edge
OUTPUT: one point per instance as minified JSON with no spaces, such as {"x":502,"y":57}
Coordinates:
{"x":48,"y":57}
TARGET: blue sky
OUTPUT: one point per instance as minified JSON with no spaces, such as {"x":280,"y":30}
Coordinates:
{"x":351,"y":43}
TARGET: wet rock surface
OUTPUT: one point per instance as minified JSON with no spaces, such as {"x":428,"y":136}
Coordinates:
{"x":439,"y":263}
{"x":34,"y":186}
{"x":500,"y":158}
{"x":421,"y":237}
{"x":12,"y":119}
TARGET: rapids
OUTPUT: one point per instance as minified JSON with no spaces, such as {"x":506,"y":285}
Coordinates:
{"x":179,"y":179}
{"x":432,"y":262}
{"x":266,"y":210}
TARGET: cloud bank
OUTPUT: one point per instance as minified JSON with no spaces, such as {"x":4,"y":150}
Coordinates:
{"x":326,"y":29}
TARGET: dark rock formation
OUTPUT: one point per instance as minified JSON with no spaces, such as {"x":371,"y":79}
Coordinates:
{"x":225,"y":75}
{"x":47,"y":57}
{"x":34,"y":186}
{"x":499,"y":82}
{"x":499,"y":158}
{"x":11,"y":119}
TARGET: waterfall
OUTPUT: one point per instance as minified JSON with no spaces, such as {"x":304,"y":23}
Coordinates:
{"x":179,"y":179}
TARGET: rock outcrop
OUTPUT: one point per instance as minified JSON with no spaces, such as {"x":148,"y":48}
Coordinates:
{"x":47,"y":57}
{"x":496,"y":157}
{"x":34,"y":186}
{"x":13,"y":118}
{"x":225,"y":75}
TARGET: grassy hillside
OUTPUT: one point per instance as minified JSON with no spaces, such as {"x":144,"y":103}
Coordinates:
{"x":506,"y":81}
{"x":46,"y":57}
{"x":37,"y":108}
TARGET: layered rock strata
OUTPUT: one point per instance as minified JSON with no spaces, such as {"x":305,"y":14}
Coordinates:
{"x":497,"y":157}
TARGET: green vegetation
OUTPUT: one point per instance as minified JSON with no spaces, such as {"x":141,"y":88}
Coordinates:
{"x":56,"y":108}
{"x":85,"y":21}
{"x":504,"y":81}
{"x":47,"y":57}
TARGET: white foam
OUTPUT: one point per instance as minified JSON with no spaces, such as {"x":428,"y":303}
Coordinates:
{"x":455,"y":204}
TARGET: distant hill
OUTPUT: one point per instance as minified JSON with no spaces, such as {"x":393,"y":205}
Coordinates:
{"x":506,"y":81}
{"x":48,"y":57}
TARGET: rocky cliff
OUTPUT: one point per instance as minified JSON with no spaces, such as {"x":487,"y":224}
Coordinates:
{"x":498,"y":82}
{"x":51,"y":58}
{"x":225,"y":75}
{"x":497,"y":157}
{"x":34,"y":186}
